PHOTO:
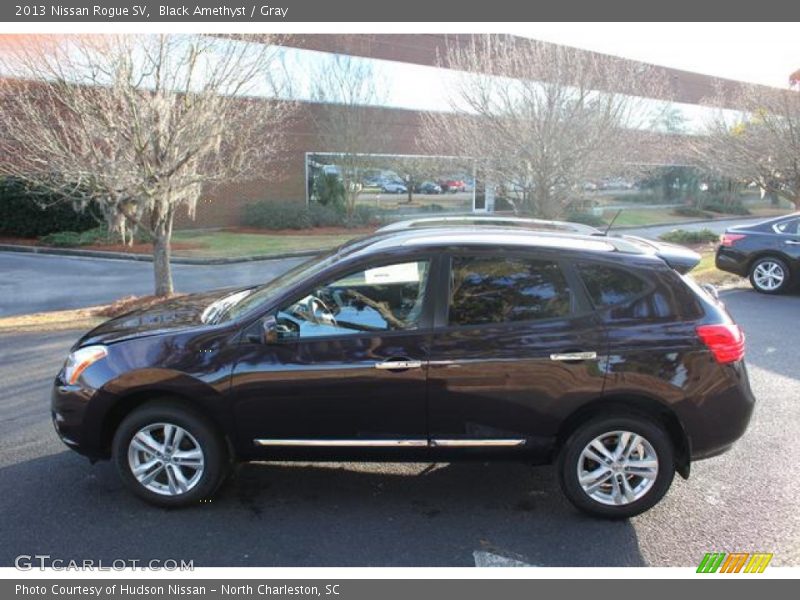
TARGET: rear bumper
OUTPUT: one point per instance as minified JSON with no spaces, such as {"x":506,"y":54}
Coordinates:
{"x":714,"y":422}
{"x":732,"y":261}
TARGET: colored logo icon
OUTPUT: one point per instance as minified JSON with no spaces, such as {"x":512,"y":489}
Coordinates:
{"x":734,"y":562}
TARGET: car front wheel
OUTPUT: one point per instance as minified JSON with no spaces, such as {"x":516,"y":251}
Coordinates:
{"x":616,"y":467}
{"x":769,"y":275}
{"x":168,"y":455}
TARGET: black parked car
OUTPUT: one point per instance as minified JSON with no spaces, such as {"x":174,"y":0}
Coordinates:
{"x":767,"y":252}
{"x":428,"y":187}
{"x":422,"y":345}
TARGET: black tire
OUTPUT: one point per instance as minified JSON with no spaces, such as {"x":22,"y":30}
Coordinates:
{"x":215,"y":455}
{"x":778,"y":264}
{"x":570,"y":455}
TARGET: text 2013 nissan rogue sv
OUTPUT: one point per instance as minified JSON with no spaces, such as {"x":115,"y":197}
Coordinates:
{"x":591,"y":352}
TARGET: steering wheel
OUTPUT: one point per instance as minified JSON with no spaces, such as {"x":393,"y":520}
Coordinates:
{"x":318,"y":312}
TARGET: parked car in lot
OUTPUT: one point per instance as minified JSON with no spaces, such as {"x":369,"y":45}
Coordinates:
{"x":452,"y":185}
{"x":393,"y":187}
{"x":428,"y":187}
{"x":429,"y":344}
{"x":768,"y":253}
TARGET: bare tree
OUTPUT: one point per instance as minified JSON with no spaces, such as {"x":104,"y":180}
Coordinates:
{"x":759,"y":144}
{"x":543,"y":119}
{"x":141,"y":124}
{"x":347,"y":89}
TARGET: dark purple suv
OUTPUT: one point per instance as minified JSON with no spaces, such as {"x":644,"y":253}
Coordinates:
{"x":435,"y":344}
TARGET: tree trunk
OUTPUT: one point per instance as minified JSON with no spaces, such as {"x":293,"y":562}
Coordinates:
{"x":162,"y":271}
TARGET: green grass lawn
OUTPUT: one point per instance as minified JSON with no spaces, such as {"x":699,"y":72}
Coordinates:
{"x":638,"y":217}
{"x":229,"y":244}
{"x":706,"y":272}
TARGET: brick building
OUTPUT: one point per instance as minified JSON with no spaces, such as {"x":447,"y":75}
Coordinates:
{"x":222,"y":206}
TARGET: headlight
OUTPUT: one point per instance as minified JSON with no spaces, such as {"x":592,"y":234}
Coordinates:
{"x":80,"y":360}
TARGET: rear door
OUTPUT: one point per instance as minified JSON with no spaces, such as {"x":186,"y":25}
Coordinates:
{"x":516,"y":347}
{"x":789,"y":239}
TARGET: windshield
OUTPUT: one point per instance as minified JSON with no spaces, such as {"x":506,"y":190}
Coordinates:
{"x":243,"y":302}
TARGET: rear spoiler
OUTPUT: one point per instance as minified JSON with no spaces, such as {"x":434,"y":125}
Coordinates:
{"x":678,"y":257}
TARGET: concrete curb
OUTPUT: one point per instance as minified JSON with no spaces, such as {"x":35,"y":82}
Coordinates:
{"x":175,"y":260}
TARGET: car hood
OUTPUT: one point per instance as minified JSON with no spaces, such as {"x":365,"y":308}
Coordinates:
{"x":680,"y":258}
{"x":172,"y":315}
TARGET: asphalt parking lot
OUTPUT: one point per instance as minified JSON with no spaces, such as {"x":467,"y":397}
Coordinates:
{"x":271,"y":514}
{"x":43,"y":282}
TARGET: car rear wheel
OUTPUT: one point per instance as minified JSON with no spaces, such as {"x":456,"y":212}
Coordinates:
{"x":168,"y":455}
{"x":616,"y":467}
{"x":769,"y":275}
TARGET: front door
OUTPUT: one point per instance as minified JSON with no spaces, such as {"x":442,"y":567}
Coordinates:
{"x":348,"y":368}
{"x":517,"y":350}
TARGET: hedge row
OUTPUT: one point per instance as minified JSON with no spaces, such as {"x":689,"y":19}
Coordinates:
{"x":267,"y":214}
{"x":22,"y":216}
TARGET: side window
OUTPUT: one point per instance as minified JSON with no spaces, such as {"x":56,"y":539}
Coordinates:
{"x":379,"y":299}
{"x":609,"y":286}
{"x":788,"y":227}
{"x":504,"y":290}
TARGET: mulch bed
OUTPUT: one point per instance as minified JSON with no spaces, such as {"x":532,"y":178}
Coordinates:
{"x":135,"y":249}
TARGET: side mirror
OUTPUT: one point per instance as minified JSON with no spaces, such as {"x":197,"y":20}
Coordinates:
{"x":271,"y":331}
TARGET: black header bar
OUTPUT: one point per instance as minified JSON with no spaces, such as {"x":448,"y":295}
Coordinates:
{"x":450,"y":11}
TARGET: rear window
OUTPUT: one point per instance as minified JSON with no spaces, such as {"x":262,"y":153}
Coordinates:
{"x":610,"y":286}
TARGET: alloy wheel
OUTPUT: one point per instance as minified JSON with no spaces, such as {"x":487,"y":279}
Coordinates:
{"x":769,"y":275}
{"x":166,"y":459}
{"x":617,"y":468}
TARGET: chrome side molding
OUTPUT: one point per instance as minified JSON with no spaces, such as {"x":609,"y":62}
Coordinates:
{"x":574,"y":356}
{"x":477,"y":443}
{"x":398,"y":365}
{"x":343,"y":443}
{"x":396,"y":443}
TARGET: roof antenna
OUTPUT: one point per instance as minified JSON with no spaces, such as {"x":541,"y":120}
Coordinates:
{"x":619,"y":212}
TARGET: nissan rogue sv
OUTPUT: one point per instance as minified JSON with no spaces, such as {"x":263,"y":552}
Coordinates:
{"x":593,"y":353}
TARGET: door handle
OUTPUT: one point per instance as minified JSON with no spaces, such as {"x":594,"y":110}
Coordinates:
{"x":566,"y":356}
{"x":399,"y":365}
{"x":791,"y":243}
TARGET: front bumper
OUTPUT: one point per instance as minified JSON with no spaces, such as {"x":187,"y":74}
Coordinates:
{"x":71,"y":418}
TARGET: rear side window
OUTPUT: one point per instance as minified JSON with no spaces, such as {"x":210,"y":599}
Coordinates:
{"x":789,"y":227}
{"x":505,"y":290}
{"x":609,"y":286}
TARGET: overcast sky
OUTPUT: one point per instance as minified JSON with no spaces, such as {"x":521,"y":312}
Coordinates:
{"x":765,"y":53}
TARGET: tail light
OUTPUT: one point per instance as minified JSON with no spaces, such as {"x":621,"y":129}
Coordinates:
{"x":728,"y":239}
{"x":726,"y":342}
